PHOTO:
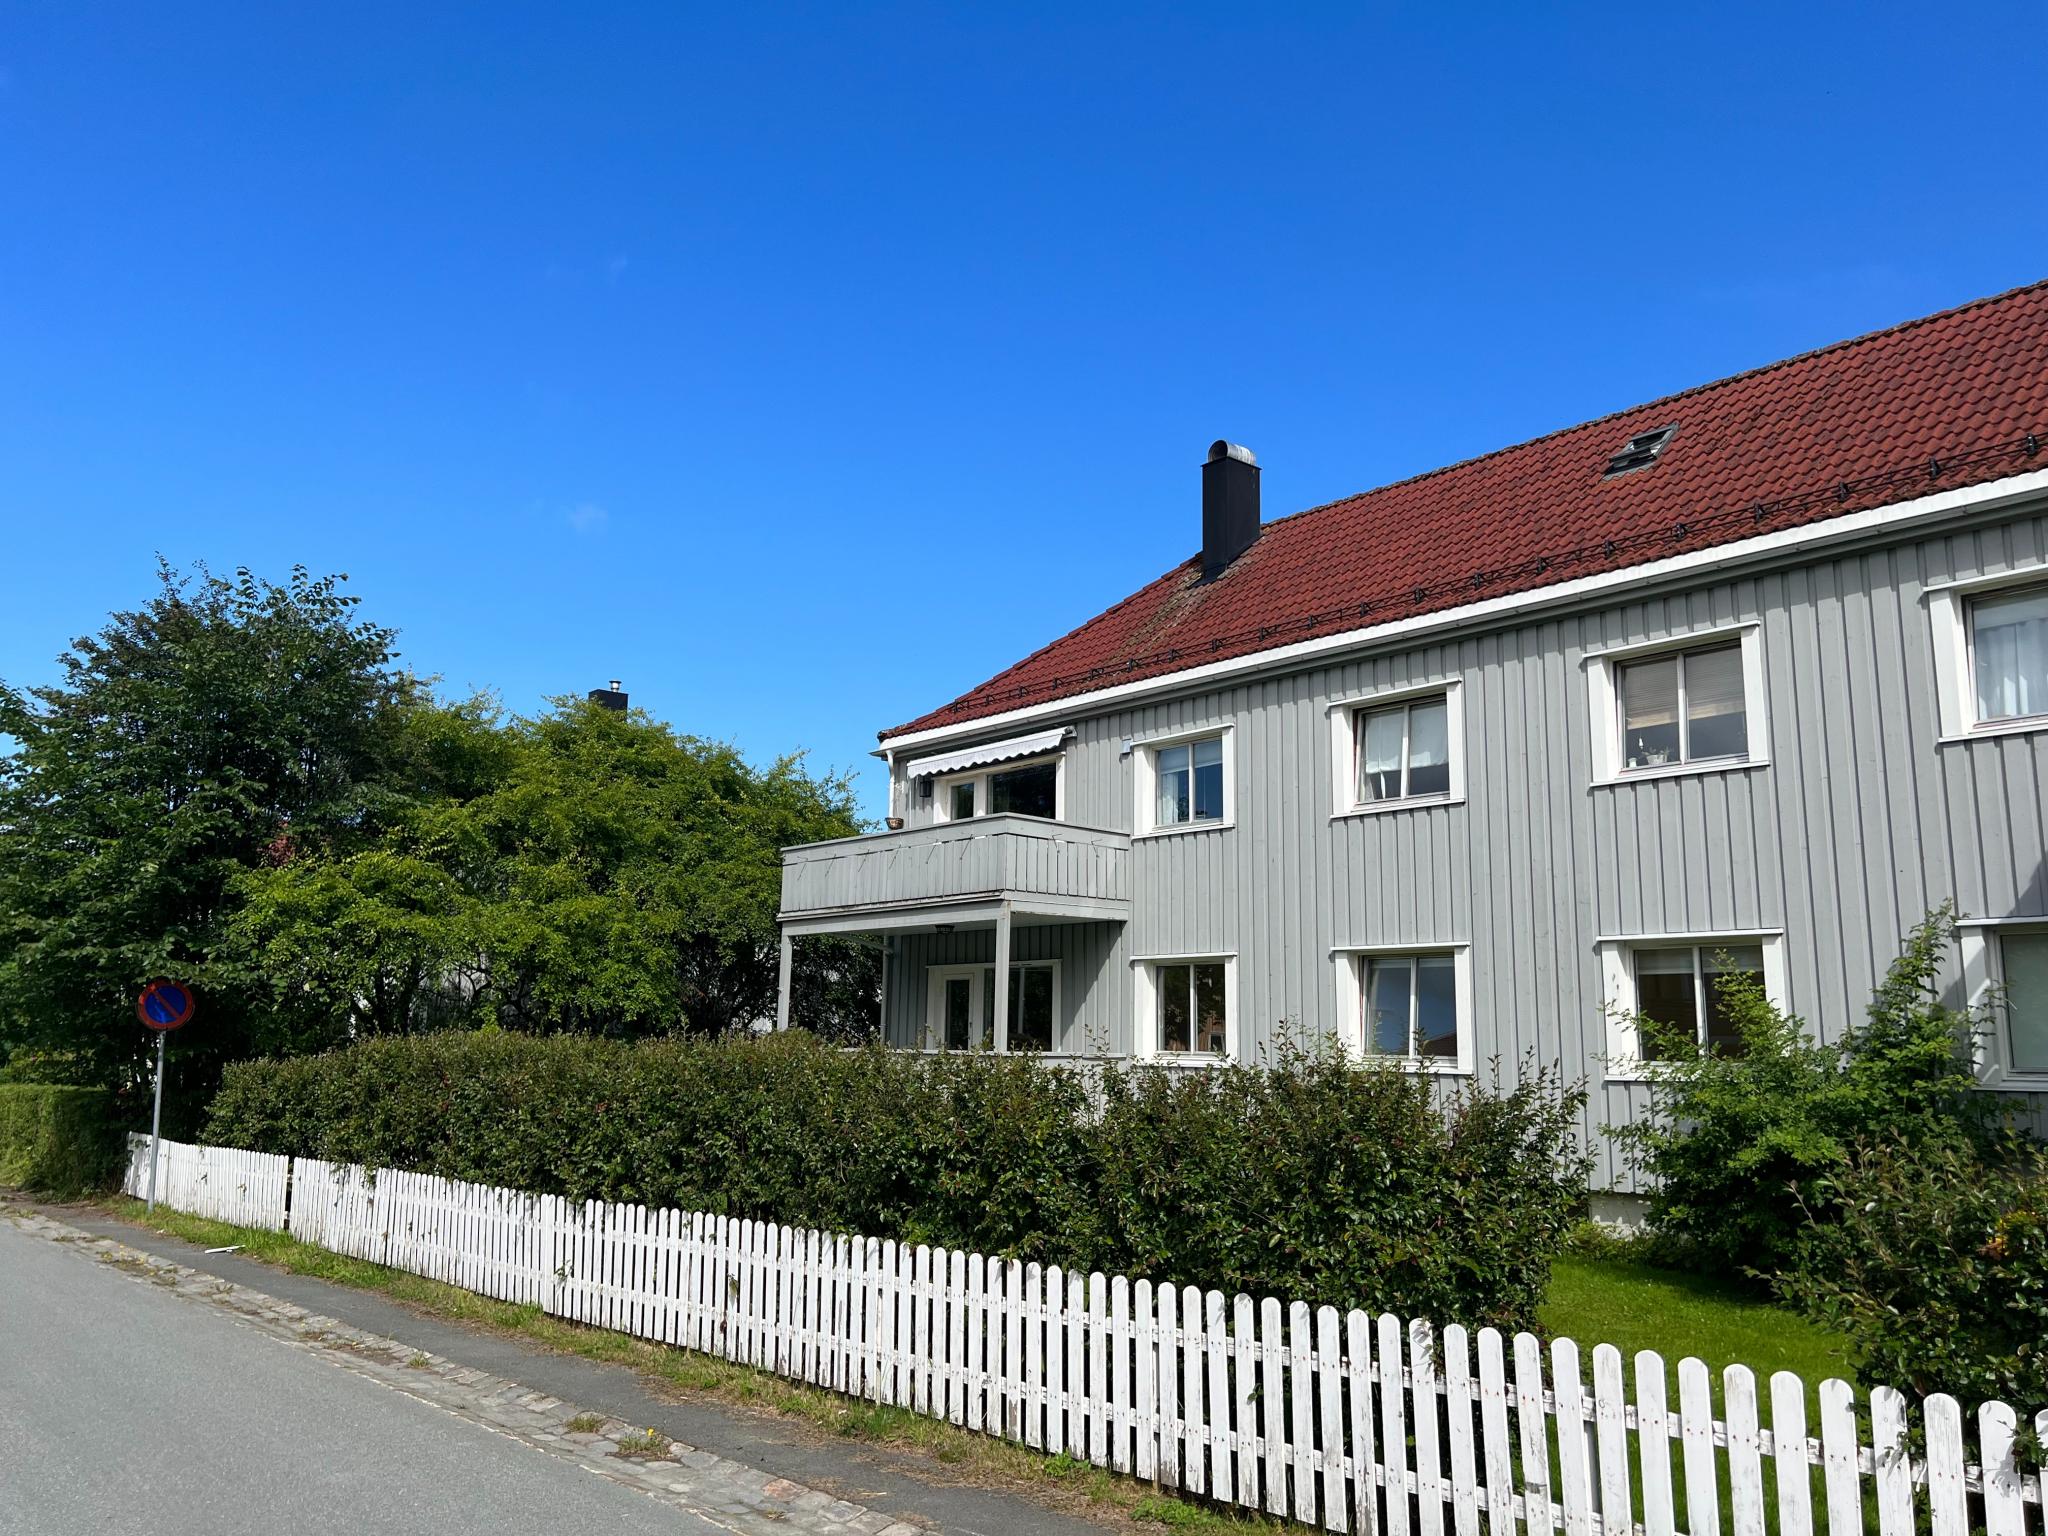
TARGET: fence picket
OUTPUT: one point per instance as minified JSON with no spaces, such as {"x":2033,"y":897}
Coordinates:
{"x":1610,"y":1422}
{"x":1788,"y":1455}
{"x":1493,"y":1426}
{"x":1894,"y":1475}
{"x":1330,"y":1398}
{"x":1948,"y":1503}
{"x":1257,"y":1402}
{"x":1429,"y":1472}
{"x":2005,"y":1510}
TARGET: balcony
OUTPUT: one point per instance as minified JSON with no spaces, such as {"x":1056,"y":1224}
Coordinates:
{"x":956,"y":872}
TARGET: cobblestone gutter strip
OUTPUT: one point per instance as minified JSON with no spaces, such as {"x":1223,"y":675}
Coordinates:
{"x":734,"y":1497}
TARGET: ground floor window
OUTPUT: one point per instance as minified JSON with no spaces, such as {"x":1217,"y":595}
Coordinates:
{"x":1664,"y":993}
{"x":1193,"y":1013}
{"x":2023,"y":980}
{"x":1410,"y":1005}
{"x":962,"y":1009}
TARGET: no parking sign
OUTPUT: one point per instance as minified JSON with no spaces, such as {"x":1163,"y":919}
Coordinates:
{"x":163,"y":1007}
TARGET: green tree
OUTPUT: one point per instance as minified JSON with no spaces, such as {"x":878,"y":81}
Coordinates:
{"x":217,"y":727}
{"x":605,"y":876}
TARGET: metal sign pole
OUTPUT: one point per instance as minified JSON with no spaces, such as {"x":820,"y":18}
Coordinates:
{"x":156,"y":1120}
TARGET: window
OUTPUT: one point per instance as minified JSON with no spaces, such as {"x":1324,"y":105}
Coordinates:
{"x":1404,"y":751}
{"x":1683,"y":709}
{"x":1398,"y":750}
{"x":1182,"y":783}
{"x":962,"y":1007}
{"x":1639,"y":452}
{"x":2009,"y":654}
{"x":1410,"y":1005}
{"x":1190,"y":782}
{"x":1025,"y":789}
{"x":1663,"y":708}
{"x":1193,"y":1010}
{"x":1675,"y":983}
{"x":1679,"y":987}
{"x":2023,"y":968}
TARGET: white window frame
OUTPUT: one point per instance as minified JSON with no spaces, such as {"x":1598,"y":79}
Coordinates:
{"x":1351,"y":961}
{"x":942,"y":789}
{"x":1983,"y":961}
{"x":1145,"y":782}
{"x":1625,"y":1061}
{"x":1955,"y":681}
{"x":982,"y":972}
{"x":1344,"y":716}
{"x":1603,"y":698}
{"x":1145,"y":1001}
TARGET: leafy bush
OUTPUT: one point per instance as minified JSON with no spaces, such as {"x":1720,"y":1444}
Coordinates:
{"x":1742,"y":1146}
{"x":1936,"y":1264}
{"x":1313,"y":1178}
{"x":57,"y":1140}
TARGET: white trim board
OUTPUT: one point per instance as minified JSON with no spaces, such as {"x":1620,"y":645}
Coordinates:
{"x":1810,"y":536}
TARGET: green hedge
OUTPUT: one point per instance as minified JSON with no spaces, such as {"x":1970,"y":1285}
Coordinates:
{"x":57,"y":1140}
{"x":1313,"y":1179}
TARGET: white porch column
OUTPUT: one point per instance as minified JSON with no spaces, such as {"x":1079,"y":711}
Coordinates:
{"x":1003,"y":978}
{"x":782,"y":982}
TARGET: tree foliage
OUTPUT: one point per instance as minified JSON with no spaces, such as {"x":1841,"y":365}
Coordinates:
{"x":237,"y":785}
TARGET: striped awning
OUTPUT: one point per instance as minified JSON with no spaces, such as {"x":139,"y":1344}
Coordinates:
{"x":990,"y":752}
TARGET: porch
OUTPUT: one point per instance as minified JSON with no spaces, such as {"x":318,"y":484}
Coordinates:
{"x":996,"y":928}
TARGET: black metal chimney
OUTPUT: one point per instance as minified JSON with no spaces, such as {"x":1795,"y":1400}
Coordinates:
{"x":1230,"y":506}
{"x":609,"y":698}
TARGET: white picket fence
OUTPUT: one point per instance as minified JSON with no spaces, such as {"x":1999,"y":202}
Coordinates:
{"x":1343,"y":1421}
{"x":221,"y":1183}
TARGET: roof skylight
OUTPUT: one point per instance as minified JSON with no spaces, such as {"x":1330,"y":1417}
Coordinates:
{"x":1640,"y":452}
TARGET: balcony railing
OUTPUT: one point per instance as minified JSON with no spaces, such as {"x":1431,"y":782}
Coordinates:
{"x":992,"y":858}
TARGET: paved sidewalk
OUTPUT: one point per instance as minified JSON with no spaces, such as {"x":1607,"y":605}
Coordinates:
{"x":745,"y":1472}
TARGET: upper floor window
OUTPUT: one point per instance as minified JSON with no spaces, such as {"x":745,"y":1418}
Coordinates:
{"x":1670,"y":706}
{"x":1184,"y":783}
{"x":1190,"y":782}
{"x":1400,"y":748}
{"x":2009,"y":654}
{"x":1025,"y":789}
{"x":1404,"y":751}
{"x":1684,"y":708}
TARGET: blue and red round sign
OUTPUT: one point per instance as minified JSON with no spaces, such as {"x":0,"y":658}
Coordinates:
{"x":165,"y":1004}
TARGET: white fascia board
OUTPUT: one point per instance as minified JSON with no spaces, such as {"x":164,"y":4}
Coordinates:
{"x":1834,"y":530}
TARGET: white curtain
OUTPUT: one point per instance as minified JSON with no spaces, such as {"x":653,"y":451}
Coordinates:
{"x":2010,"y":638}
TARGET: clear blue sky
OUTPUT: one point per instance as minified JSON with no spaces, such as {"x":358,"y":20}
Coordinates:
{"x":803,"y":367}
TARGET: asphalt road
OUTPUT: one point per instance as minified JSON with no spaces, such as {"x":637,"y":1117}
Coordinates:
{"x":125,"y":1409}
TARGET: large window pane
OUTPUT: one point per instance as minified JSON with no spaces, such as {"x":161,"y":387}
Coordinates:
{"x":1667,"y":991}
{"x":1716,"y":723}
{"x":1174,"y":798}
{"x":1436,"y":1005}
{"x":1032,"y":791}
{"x":1031,"y":1008}
{"x":1208,"y":760}
{"x":1729,"y":960}
{"x":2024,"y":959}
{"x":1379,"y":753}
{"x":959,"y":1012}
{"x":1649,"y":712}
{"x":1210,"y":1033}
{"x":1176,"y":1021}
{"x":1389,"y":1003}
{"x":1429,"y":748}
{"x":2009,"y":644}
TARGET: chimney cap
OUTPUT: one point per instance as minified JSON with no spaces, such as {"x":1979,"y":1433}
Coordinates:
{"x":1221,"y":449}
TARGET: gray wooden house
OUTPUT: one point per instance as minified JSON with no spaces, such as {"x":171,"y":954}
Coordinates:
{"x":1481,"y":764}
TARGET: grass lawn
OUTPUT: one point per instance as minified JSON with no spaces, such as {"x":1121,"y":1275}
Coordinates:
{"x":1635,"y":1306}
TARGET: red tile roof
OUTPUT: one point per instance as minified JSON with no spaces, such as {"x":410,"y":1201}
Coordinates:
{"x":1929,"y":405}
